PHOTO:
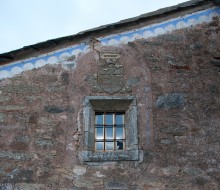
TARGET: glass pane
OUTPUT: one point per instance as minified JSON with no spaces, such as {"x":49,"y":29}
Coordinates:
{"x":120,"y":145}
{"x":109,"y":119}
{"x":109,"y":133}
{"x":109,"y":146}
{"x":99,"y":133}
{"x":119,"y":118}
{"x":99,"y":119}
{"x":119,"y":132}
{"x":99,"y":145}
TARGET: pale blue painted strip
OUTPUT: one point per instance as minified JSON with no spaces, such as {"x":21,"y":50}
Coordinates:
{"x":122,"y":38}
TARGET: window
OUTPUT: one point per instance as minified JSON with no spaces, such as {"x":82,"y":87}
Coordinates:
{"x":110,"y":129}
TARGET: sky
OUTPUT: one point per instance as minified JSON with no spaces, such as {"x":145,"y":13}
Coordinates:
{"x":27,"y":22}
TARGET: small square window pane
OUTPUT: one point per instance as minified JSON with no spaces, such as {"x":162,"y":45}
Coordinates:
{"x":120,"y":145}
{"x":109,"y":119}
{"x":99,"y":133}
{"x":119,"y":132}
{"x":99,"y":145}
{"x":99,"y":119}
{"x":109,"y":146}
{"x":109,"y":133}
{"x":119,"y":118}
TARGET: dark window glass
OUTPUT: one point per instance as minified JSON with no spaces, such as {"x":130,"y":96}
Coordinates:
{"x":120,"y":145}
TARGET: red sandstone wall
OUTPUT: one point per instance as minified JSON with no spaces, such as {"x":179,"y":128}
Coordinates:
{"x":177,"y":88}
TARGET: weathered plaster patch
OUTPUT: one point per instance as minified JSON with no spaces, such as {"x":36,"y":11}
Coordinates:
{"x":98,"y":174}
{"x":79,"y":170}
{"x":70,"y":147}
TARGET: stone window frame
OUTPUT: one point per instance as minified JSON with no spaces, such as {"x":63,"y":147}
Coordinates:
{"x":126,"y":104}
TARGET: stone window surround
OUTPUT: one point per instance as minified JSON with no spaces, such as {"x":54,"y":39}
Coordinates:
{"x":110,"y":103}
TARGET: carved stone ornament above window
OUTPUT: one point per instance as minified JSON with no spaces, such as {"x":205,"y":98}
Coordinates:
{"x":110,"y":77}
{"x":93,"y":104}
{"x":111,"y":73}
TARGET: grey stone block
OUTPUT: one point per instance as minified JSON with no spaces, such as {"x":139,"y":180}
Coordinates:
{"x":133,"y":80}
{"x":131,"y":128}
{"x":29,"y":186}
{"x":113,"y":185}
{"x":14,"y":156}
{"x":6,"y":186}
{"x":44,"y":142}
{"x":89,"y":140}
{"x":21,"y":89}
{"x":22,"y":175}
{"x":174,"y":130}
{"x":12,"y":107}
{"x":166,"y":141}
{"x":54,"y":109}
{"x":23,"y":138}
{"x":5,"y":98}
{"x":127,"y":155}
{"x":171,"y":101}
{"x":2,"y":117}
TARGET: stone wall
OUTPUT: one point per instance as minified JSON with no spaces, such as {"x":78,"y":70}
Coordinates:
{"x":176,"y":81}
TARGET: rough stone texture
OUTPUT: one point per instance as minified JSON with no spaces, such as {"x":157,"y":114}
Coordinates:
{"x":178,"y":109}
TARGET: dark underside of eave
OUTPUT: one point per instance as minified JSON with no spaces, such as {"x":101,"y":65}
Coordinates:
{"x":8,"y":57}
